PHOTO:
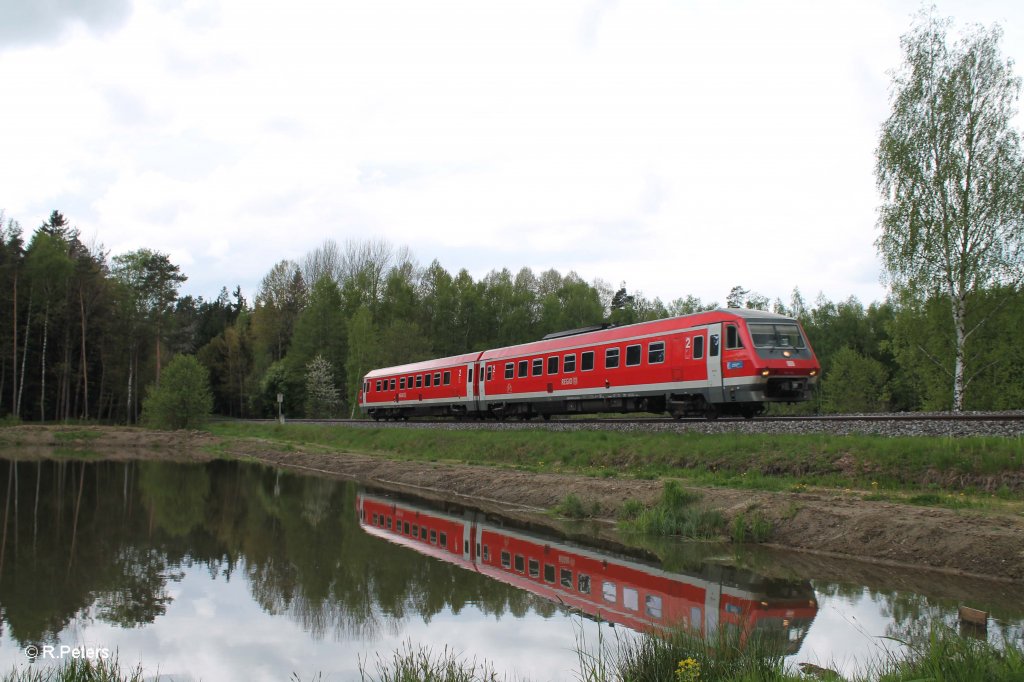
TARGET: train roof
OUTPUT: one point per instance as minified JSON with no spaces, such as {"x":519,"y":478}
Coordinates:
{"x":425,"y":365}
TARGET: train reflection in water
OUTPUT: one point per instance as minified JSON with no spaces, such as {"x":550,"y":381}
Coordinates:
{"x":614,"y":588}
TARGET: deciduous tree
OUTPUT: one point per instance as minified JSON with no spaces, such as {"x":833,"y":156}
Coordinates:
{"x":951,"y":174}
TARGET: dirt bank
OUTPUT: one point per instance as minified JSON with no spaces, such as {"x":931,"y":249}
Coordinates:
{"x":832,"y":523}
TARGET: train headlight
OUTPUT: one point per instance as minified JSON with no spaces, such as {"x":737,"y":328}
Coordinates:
{"x":765,"y":372}
{"x":813,"y":373}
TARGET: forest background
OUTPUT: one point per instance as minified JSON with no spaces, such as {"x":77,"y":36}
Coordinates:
{"x":83,"y":335}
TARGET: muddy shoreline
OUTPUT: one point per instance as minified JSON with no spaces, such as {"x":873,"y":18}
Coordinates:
{"x":828,"y":524}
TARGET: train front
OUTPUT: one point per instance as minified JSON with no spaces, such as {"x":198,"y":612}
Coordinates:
{"x":786,"y":369}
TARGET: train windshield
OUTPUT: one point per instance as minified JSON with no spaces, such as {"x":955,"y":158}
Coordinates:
{"x":776,"y":336}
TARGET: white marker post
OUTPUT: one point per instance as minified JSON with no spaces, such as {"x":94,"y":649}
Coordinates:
{"x":280,"y":401}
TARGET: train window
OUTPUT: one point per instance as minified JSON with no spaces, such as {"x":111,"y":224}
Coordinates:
{"x":713,"y":346}
{"x":732,"y":338}
{"x":444,"y":540}
{"x":506,"y":559}
{"x":487,"y":553}
{"x":447,"y":378}
{"x":375,"y":518}
{"x":524,"y":368}
{"x":611,"y":358}
{"x":437,"y":378}
{"x":569,"y":363}
{"x":490,"y":372}
{"x":389,"y":523}
{"x":534,"y":568}
{"x":423,"y":533}
{"x":377,"y":385}
{"x":633,"y":355}
{"x":465,"y":546}
{"x":415,"y":531}
{"x":553,"y":364}
{"x":587,"y":361}
{"x":520,"y":563}
{"x":433,"y":536}
{"x":565,"y":577}
{"x":609,"y":592}
{"x":426,"y":380}
{"x":405,"y":527}
{"x":510,"y":370}
{"x":698,"y":347}
{"x":652,"y":604}
{"x":411,"y":379}
{"x":538,"y":366}
{"x":583,"y":583}
{"x":630,"y":598}
{"x":549,"y":573}
{"x":401,"y":383}
{"x":478,"y":549}
{"x":655,"y":352}
{"x":392,"y":384}
{"x":419,"y":381}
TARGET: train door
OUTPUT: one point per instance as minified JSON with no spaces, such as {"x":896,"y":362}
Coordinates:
{"x":715,"y":363}
{"x":470,"y":384}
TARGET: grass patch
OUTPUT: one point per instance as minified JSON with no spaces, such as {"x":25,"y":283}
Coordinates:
{"x":735,"y":655}
{"x":76,"y":436}
{"x":948,"y":656}
{"x":676,"y":513}
{"x":419,"y":664}
{"x":751,"y":526}
{"x":77,"y":670}
{"x":976,"y":466}
{"x":572,"y":507}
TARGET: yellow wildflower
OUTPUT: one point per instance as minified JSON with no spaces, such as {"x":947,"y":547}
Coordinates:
{"x":688,"y":670}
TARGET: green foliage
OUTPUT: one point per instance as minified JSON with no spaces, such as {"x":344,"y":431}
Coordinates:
{"x":182,"y":400}
{"x":752,"y":526}
{"x":855,"y":384}
{"x":112,"y":325}
{"x":676,"y":514}
{"x":572,"y":507}
{"x":322,"y":400}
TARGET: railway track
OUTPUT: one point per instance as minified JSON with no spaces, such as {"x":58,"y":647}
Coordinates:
{"x":899,"y":417}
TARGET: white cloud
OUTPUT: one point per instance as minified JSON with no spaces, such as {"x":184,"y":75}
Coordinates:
{"x":681,"y":147}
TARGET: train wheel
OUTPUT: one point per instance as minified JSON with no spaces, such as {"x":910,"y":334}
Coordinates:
{"x":711,"y":412}
{"x":547,"y":417}
{"x":748,"y":412}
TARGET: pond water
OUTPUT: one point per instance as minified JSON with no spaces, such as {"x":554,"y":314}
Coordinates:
{"x":233,"y":571}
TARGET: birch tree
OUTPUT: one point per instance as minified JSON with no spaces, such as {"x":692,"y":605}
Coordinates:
{"x":949,"y":168}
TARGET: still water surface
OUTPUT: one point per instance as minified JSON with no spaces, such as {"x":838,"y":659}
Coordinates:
{"x":232,"y":571}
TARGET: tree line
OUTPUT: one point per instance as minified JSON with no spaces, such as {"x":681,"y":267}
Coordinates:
{"x":85,"y":334}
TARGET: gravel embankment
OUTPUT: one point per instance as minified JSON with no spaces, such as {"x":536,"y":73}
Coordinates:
{"x":870,"y":425}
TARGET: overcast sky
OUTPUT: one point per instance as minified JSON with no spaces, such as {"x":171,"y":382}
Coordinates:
{"x":680,"y":147}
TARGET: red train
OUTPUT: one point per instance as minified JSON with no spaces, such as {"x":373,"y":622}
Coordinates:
{"x":615,"y":589}
{"x":719,"y":362}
